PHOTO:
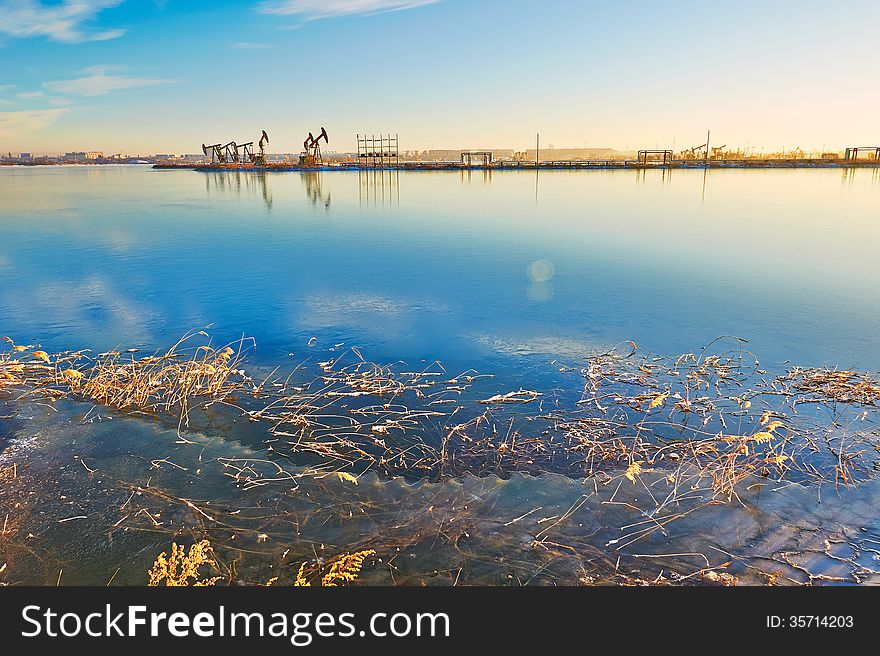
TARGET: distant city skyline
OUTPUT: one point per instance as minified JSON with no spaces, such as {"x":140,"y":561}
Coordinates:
{"x":163,"y":76}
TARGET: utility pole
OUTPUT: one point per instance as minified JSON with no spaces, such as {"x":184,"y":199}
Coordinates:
{"x":537,"y":148}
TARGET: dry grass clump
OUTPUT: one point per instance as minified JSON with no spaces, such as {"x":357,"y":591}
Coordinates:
{"x":338,"y":571}
{"x":363,"y":415}
{"x":182,"y":567}
{"x":24,"y":369}
{"x":344,"y":569}
{"x":719,"y":462}
{"x":841,"y":386}
{"x":172,"y":382}
{"x":8,"y":473}
{"x":714,"y":421}
{"x":175,"y":382}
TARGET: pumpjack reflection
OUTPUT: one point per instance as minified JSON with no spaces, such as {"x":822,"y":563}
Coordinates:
{"x":256,"y":183}
{"x":235,"y":182}
{"x":312,"y":182}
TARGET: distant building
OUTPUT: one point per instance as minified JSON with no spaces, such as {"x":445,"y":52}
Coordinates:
{"x":571,"y":154}
{"x":74,"y":157}
{"x":25,"y":157}
{"x":437,"y":155}
{"x":94,"y":154}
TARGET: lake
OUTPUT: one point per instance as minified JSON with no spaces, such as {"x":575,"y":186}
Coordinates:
{"x":519,"y":275}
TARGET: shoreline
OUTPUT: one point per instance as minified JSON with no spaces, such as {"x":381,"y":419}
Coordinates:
{"x":533,"y":166}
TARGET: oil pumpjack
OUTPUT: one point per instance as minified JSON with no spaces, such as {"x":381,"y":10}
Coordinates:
{"x":693,"y":153}
{"x":238,"y":153}
{"x":311,"y":156}
{"x":217,"y":152}
{"x":247,"y":152}
{"x":260,"y":160}
{"x":230,"y":152}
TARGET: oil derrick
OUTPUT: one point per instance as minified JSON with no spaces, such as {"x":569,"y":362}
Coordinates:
{"x":694,"y":153}
{"x":311,"y":156}
{"x":231,"y":152}
{"x":247,"y":151}
{"x":718,"y":152}
{"x":248,"y":154}
{"x":218,"y":154}
{"x":260,"y":159}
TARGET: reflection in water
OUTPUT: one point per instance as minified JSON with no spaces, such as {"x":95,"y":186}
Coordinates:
{"x":484,"y":174}
{"x":250,"y":183}
{"x":632,"y":258}
{"x":312,"y":182}
{"x":379,"y":186}
{"x":646,"y":176}
{"x":703,"y":193}
{"x":851,"y":176}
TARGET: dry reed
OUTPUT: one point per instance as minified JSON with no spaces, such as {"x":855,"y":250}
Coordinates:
{"x":697,"y":426}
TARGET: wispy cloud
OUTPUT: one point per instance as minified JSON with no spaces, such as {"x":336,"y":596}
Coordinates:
{"x":59,"y":21}
{"x":16,"y":123}
{"x":29,"y":95}
{"x":101,"y":80}
{"x":316,"y":9}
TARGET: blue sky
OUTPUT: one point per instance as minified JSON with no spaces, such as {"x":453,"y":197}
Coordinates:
{"x":167,"y":75}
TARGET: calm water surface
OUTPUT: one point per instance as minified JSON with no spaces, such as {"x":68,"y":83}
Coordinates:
{"x":511,"y":273}
{"x":437,"y":265}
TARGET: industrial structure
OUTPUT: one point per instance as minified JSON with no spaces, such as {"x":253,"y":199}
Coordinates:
{"x":381,"y":151}
{"x":261,"y":158}
{"x":664,"y":156}
{"x":852,"y":154}
{"x":694,"y":153}
{"x":233,"y":153}
{"x":484,"y":157}
{"x":311,"y":155}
